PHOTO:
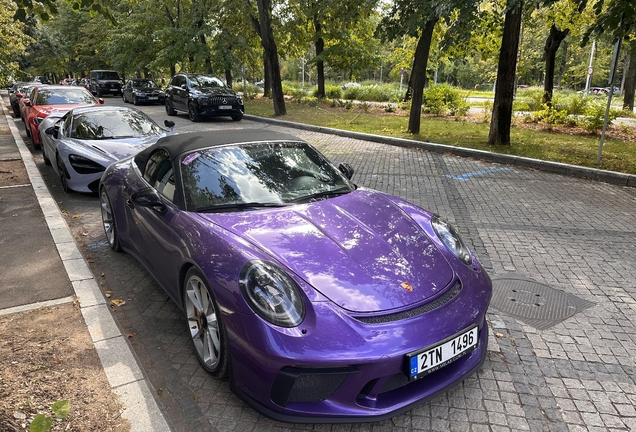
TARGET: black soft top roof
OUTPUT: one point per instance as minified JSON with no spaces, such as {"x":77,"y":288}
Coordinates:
{"x":187,"y":142}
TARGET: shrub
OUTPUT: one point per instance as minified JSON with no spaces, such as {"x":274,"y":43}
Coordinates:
{"x":594,"y":117}
{"x":442,"y":99}
{"x":249,"y":92}
{"x":551,"y":115}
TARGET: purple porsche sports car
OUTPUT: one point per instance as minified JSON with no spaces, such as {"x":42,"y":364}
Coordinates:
{"x":321,"y":300}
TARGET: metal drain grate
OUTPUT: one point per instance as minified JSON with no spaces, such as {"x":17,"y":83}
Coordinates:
{"x":533,"y":303}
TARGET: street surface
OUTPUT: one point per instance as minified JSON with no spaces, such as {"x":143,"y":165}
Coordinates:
{"x":572,"y":238}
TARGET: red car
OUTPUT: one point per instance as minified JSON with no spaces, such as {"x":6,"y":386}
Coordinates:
{"x":48,"y":99}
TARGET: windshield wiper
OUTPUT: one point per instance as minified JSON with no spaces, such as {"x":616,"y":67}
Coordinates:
{"x":240,"y":206}
{"x":324,"y":194}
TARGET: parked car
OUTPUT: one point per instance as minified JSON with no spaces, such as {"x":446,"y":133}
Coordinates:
{"x":41,"y":79}
{"x":85,"y":141}
{"x":202,"y":96}
{"x":104,"y":82}
{"x":323,"y":301}
{"x":24,"y":94}
{"x":15,"y":95}
{"x":142,"y":90}
{"x":54,"y":98}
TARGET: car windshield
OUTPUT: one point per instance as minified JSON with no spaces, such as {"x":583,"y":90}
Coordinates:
{"x":205,"y":81}
{"x":64,"y":96}
{"x":95,"y":125}
{"x":258,"y":175}
{"x":107,"y":75}
{"x":144,"y":84}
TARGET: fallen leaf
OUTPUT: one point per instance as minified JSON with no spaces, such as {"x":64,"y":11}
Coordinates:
{"x":159,"y":391}
{"x":84,"y":233}
{"x":499,"y":335}
{"x":117,"y":302}
{"x":75,"y":216}
{"x":129,"y":335}
{"x":102,"y":275}
{"x":108,"y":294}
{"x":91,"y":261}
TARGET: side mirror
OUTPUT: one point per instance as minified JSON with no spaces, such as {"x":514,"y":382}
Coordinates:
{"x":168,"y":124}
{"x":54,"y":131}
{"x":148,"y":197}
{"x":26,"y":102}
{"x":346,"y":169}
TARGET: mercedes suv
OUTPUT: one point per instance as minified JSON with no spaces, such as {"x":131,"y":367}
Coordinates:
{"x":202,"y":95}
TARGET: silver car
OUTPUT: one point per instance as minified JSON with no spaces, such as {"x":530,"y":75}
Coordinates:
{"x":85,"y":141}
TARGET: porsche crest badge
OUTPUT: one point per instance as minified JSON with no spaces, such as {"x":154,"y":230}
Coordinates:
{"x":407,"y":286}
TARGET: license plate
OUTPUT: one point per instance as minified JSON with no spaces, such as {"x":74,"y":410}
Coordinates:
{"x":432,"y":358}
{"x":153,"y":97}
{"x":225,"y":106}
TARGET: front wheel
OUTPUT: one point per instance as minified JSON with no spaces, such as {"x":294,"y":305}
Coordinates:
{"x":61,"y":169}
{"x":205,"y":324}
{"x":169,"y":109}
{"x":135,"y":101}
{"x":123,"y":97}
{"x":192,"y":113}
{"x":108,"y":221}
{"x":47,"y":161}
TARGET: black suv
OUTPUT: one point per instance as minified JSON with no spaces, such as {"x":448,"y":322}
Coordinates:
{"x":104,"y":81}
{"x":202,"y":95}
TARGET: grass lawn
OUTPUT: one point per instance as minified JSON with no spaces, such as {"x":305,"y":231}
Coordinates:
{"x":566,"y":145}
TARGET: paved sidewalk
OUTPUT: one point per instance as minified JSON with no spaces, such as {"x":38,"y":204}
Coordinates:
{"x":38,"y":251}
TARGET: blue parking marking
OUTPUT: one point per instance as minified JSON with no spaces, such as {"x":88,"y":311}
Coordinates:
{"x":97,"y":245}
{"x":464,"y":177}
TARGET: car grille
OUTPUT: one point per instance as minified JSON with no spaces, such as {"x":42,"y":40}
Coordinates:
{"x":304,"y":385}
{"x":222,"y":100}
{"x":438,"y":302}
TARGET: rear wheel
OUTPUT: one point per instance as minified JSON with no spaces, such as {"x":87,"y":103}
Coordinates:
{"x":192,"y":113}
{"x":108,"y":221}
{"x":205,"y":324}
{"x":169,"y":109}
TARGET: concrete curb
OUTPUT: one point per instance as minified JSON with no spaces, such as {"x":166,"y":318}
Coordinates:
{"x":118,"y":359}
{"x":612,"y":177}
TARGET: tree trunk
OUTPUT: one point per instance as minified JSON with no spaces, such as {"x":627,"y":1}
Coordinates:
{"x":269,"y":46}
{"x":419,"y":74}
{"x":267,"y":76}
{"x":552,"y":44}
{"x":228,"y":77}
{"x":504,"y":93}
{"x":564,"y":63}
{"x":630,"y":80}
{"x":320,"y":65}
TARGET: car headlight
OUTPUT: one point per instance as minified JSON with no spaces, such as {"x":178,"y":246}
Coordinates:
{"x":451,"y":239}
{"x":272,"y":294}
{"x":83,"y":165}
{"x":239,"y":99}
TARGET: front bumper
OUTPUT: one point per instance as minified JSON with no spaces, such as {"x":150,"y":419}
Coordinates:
{"x":315,"y":377}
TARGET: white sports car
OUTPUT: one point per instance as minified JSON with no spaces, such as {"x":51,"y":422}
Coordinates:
{"x":85,"y":141}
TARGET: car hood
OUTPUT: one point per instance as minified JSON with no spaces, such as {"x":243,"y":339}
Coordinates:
{"x":117,"y":149}
{"x":359,"y":250}
{"x":58,"y":109}
{"x":214,"y":91}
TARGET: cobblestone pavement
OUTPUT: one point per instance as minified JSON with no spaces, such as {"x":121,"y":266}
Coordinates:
{"x":575,"y":236}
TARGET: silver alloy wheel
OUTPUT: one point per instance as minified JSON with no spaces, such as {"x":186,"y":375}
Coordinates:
{"x":203,"y":322}
{"x":108,"y":220}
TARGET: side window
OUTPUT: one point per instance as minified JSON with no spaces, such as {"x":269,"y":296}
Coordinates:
{"x":65,"y":129}
{"x":159,"y":174}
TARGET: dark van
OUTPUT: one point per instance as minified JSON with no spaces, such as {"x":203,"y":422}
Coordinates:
{"x":104,"y":82}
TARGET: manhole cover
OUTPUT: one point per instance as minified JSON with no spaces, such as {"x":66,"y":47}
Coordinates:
{"x":536,"y":304}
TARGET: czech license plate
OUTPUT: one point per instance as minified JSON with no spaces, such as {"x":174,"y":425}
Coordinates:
{"x":225,"y":106}
{"x":153,"y":97}
{"x":432,"y":358}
